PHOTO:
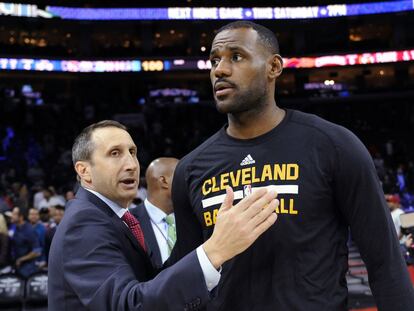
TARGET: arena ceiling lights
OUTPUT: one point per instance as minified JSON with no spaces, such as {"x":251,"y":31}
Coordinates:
{"x":205,"y":13}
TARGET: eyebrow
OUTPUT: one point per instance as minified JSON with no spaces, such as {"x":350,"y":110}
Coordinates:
{"x":213,"y":51}
{"x":232,"y":48}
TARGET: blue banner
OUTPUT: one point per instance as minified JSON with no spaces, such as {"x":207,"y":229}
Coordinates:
{"x":206,"y":13}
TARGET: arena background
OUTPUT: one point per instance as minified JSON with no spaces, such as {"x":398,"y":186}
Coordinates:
{"x":350,"y":62}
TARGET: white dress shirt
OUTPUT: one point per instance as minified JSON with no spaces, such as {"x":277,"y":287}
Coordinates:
{"x":211,"y":275}
{"x":160,"y":228}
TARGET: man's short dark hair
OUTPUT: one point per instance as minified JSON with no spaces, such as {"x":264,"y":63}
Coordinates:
{"x":43,"y":211}
{"x":83,"y":146}
{"x":60,"y":207}
{"x":266,"y":36}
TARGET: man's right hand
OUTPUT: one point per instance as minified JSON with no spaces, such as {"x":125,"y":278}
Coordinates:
{"x":238,"y":226}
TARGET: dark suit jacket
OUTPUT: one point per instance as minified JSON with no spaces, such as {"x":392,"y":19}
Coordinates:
{"x":140,"y":212}
{"x":96,"y":263}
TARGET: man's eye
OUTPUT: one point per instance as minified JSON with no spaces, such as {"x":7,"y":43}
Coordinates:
{"x":236,"y":57}
{"x":114,"y":153}
{"x":133,"y":152}
{"x":214,"y":62}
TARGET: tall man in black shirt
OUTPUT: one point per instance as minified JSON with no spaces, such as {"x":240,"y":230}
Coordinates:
{"x":325,"y":178}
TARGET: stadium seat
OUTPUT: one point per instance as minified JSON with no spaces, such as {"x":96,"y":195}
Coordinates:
{"x":11,"y":290}
{"x":36,"y":289}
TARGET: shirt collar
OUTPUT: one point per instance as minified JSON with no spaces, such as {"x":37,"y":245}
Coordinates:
{"x":120,"y":211}
{"x":155,"y":213}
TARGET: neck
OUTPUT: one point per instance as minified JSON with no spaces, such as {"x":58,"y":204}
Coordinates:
{"x":161,"y":201}
{"x":253,"y":123}
{"x":123,"y":204}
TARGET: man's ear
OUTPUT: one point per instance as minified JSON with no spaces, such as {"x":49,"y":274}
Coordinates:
{"x":276,"y":66}
{"x":163,"y":182}
{"x":83,"y":169}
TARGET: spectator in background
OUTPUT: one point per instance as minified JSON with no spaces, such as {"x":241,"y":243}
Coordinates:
{"x":401,"y":182}
{"x":50,"y":198}
{"x":410,"y":176}
{"x":389,"y":183}
{"x":379,"y":165}
{"x":38,"y":195}
{"x":389,"y":149}
{"x":8,"y":177}
{"x":57,"y":218}
{"x":69,"y":195}
{"x":393,"y":201}
{"x":20,"y":196}
{"x":44,"y":215}
{"x":39,"y":228}
{"x":408,"y":249}
{"x":4,"y":205}
{"x":4,"y":243}
{"x":25,"y":245}
{"x":142,"y":191}
{"x":59,"y":212}
{"x":155,"y":214}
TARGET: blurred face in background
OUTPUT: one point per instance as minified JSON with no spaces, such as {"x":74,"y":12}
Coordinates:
{"x":44,"y":215}
{"x":16,"y":217}
{"x":58,"y":216}
{"x":393,"y":201}
{"x":69,"y":195}
{"x":34,"y":216}
{"x":47,"y":194}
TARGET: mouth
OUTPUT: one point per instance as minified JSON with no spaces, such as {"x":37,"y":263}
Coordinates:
{"x":223,"y":88}
{"x":129,"y":182}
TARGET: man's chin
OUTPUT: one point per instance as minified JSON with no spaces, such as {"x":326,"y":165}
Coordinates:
{"x":129,"y":194}
{"x":224,"y":106}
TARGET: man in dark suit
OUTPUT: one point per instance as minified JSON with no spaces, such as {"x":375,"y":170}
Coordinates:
{"x":98,"y":258}
{"x":155,"y":214}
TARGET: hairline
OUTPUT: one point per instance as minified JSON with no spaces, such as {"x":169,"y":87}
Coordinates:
{"x":261,"y":37}
{"x":84,"y":144}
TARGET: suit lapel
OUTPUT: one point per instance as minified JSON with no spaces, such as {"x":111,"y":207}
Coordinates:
{"x":128,"y":233}
{"x":118,"y":223}
{"x":141,"y":214}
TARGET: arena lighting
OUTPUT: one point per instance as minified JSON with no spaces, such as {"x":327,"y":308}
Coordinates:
{"x":205,"y":13}
{"x":23,"y":10}
{"x":349,"y":59}
{"x":327,"y":85}
{"x":151,"y":65}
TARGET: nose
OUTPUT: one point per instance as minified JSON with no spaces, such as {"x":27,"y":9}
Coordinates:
{"x":223,"y":69}
{"x":131,"y":162}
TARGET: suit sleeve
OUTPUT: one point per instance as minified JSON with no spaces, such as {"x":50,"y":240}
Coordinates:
{"x":359,"y":195}
{"x":189,"y":231}
{"x":101,"y":277}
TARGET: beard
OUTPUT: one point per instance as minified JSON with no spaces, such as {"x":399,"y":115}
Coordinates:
{"x":253,"y":99}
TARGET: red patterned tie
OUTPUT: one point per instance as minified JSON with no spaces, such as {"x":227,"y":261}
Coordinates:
{"x":135,"y":227}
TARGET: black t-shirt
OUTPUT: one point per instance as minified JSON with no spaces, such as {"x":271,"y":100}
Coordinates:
{"x":326,"y":182}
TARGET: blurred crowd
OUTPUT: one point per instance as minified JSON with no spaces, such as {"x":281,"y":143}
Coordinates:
{"x":28,"y":221}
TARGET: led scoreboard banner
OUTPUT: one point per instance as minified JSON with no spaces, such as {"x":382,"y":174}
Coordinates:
{"x":158,"y":65}
{"x":205,"y":13}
